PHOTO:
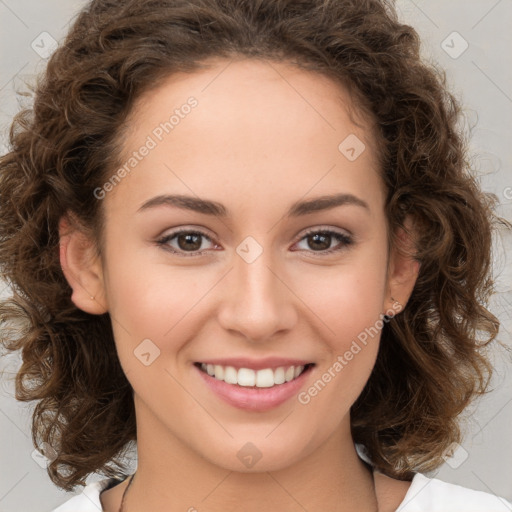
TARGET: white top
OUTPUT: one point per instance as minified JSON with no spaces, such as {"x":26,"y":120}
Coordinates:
{"x":424,"y":495}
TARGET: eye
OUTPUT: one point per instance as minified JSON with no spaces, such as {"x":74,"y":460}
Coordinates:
{"x":320,"y":241}
{"x":189,"y":242}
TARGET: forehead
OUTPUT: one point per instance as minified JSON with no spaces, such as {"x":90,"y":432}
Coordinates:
{"x":250,"y":89}
{"x":248,"y":124}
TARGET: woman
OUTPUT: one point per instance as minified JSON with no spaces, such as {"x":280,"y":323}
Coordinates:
{"x":241,"y":234}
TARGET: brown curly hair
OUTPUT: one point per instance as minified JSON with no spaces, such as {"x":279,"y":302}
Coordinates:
{"x":431,"y":361}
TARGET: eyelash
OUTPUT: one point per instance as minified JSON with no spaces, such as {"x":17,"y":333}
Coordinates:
{"x":345,"y":240}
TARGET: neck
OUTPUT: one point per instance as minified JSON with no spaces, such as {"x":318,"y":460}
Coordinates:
{"x":172,"y":477}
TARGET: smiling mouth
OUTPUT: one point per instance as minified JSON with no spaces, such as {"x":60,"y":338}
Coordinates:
{"x":246,"y":377}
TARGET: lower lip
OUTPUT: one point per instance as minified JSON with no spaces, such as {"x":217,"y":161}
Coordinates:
{"x":255,"y":399}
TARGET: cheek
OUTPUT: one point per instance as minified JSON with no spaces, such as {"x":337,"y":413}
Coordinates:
{"x":350,"y":306}
{"x":151,"y":315}
{"x":347,"y":298}
{"x":145,"y":302}
{"x":156,"y":299}
{"x":146,"y":294}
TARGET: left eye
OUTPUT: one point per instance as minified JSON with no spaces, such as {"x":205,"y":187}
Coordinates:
{"x":321,"y":241}
{"x":189,"y":243}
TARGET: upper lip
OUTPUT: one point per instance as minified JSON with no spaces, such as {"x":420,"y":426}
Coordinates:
{"x":257,"y":364}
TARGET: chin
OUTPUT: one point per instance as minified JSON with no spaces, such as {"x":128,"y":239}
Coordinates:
{"x":255,"y":454}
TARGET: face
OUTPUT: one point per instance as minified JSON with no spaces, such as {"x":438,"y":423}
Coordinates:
{"x":266,"y":276}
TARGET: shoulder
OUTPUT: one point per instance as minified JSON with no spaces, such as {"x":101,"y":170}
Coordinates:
{"x":435,"y":495}
{"x":89,"y":499}
{"x":424,"y":494}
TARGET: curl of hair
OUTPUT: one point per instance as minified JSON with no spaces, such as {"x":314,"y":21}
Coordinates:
{"x":430,"y":363}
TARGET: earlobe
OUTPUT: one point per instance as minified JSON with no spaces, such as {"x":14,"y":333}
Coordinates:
{"x":403,"y":266}
{"x":82,"y":268}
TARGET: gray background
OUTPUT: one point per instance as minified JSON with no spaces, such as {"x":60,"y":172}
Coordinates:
{"x":481,"y":76}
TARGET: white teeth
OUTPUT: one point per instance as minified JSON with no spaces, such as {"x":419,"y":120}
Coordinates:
{"x":219,"y":372}
{"x":247,"y":377}
{"x":265,"y":378}
{"x":298,"y":371}
{"x":230,"y":375}
{"x":279,"y":376}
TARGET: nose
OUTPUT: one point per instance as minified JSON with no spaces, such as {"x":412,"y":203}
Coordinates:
{"x":257,"y":301}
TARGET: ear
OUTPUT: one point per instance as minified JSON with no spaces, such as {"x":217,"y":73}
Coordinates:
{"x":403,"y":268}
{"x":82,"y":267}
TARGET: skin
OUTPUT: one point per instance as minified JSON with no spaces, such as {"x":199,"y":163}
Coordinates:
{"x":262,"y":137}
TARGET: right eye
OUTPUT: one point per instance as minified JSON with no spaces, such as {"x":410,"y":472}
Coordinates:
{"x":189,"y":242}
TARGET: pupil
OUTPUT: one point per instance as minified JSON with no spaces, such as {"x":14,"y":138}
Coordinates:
{"x":325,"y":237}
{"x":190,"y":237}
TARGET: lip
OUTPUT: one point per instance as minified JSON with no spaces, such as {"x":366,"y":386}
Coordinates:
{"x":252,"y":398}
{"x":257,"y":364}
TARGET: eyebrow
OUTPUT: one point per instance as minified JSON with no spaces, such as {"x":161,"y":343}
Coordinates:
{"x":209,"y":207}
